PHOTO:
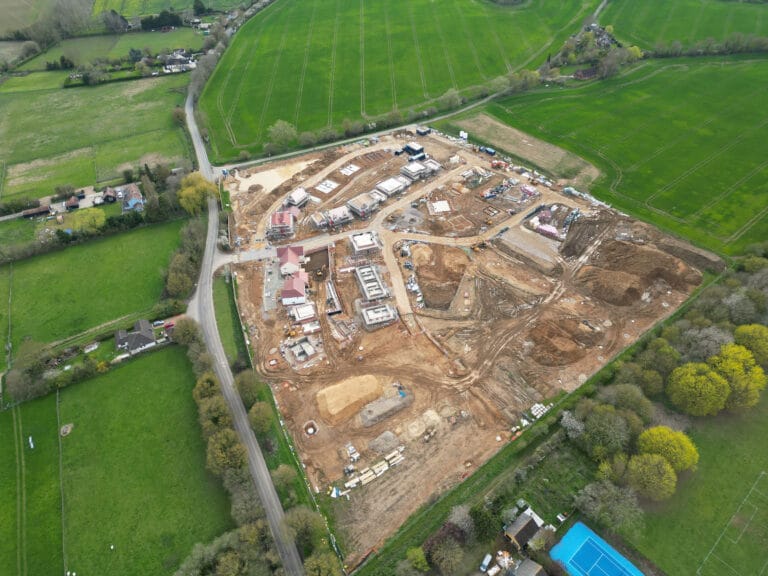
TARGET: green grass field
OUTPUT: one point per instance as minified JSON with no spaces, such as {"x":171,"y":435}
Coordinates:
{"x":64,"y":293}
{"x":17,"y":15}
{"x":130,"y":8}
{"x":133,"y":475}
{"x":649,"y":22}
{"x":680,"y":144}
{"x":727,"y":496}
{"x":316,"y":63}
{"x":82,"y":136}
{"x":228,"y":322}
{"x":88,"y":48}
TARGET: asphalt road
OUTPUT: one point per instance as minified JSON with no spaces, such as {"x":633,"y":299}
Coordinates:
{"x":201,"y":309}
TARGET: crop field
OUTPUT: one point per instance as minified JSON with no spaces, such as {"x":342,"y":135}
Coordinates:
{"x":717,"y":523}
{"x":126,"y":481}
{"x":88,"y":48}
{"x":130,"y":8}
{"x":316,"y":63}
{"x":679,"y":144}
{"x":83,"y":136}
{"x":652,"y":21}
{"x":17,"y":15}
{"x":63,"y":293}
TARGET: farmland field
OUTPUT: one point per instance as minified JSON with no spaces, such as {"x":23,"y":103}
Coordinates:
{"x":17,"y":15}
{"x":680,"y":144}
{"x":88,"y":48}
{"x":727,"y":495}
{"x":649,"y":22}
{"x":64,"y":293}
{"x":130,"y":8}
{"x":316,"y":63}
{"x":81,"y":136}
{"x":126,"y":481}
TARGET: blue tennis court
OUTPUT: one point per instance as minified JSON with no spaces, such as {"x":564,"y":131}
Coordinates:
{"x":584,"y":553}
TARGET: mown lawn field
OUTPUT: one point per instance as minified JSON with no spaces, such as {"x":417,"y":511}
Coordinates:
{"x":679,"y":143}
{"x":63,"y":293}
{"x":133,"y":475}
{"x":82,"y":136}
{"x":88,"y":48}
{"x":650,"y":22}
{"x":727,"y":495}
{"x":316,"y":63}
{"x":143,"y":7}
{"x":134,"y":470}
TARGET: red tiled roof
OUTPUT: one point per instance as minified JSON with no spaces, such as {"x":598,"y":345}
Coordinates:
{"x":289,"y":254}
{"x":281,"y":219}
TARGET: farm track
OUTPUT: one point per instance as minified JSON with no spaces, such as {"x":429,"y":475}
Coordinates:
{"x":745,"y":178}
{"x":445,"y":52}
{"x":331,"y":87}
{"x":390,"y":59}
{"x":271,"y":85}
{"x":21,"y":494}
{"x":362,"y":58}
{"x":417,"y":47}
{"x":305,"y":64}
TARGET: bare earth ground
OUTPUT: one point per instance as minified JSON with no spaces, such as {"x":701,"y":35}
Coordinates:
{"x":543,"y":154}
{"x":508,"y":318}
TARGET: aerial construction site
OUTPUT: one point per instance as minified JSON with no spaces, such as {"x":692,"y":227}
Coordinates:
{"x":415,"y":302}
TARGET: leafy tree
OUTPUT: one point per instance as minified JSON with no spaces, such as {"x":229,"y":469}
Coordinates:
{"x":214,"y":415}
{"x":194,"y":192}
{"x":696,"y":344}
{"x":417,"y":559}
{"x":613,"y":508}
{"x":179,"y":116}
{"x":307,"y":527}
{"x":323,"y":564}
{"x":281,"y":134}
{"x":697,"y":390}
{"x":676,"y":447}
{"x":207,"y":386}
{"x":224,"y":451}
{"x":260,"y":417}
{"x":659,"y":356}
{"x":651,"y":476}
{"x":199,"y":8}
{"x":449,"y":100}
{"x":187,"y":331}
{"x":754,"y":337}
{"x":485,"y":522}
{"x":461,"y":517}
{"x":746,"y":379}
{"x":573,"y":427}
{"x":613,"y":469}
{"x":447,"y":556}
{"x":628,"y":397}
{"x":741,"y":310}
{"x":605,"y":432}
{"x":228,"y":564}
{"x":284,"y":476}
{"x":248,"y":386}
{"x":307,"y":139}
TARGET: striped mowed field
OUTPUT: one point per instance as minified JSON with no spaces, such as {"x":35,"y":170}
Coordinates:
{"x":315,"y":63}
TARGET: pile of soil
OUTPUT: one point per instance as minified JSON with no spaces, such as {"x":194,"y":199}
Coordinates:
{"x":582,"y":232}
{"x":439,"y":270}
{"x":620,"y":272}
{"x":342,"y":401}
{"x":562,"y":341}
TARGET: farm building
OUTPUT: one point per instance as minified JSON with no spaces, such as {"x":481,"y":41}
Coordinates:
{"x":378,"y":316}
{"x":371,"y":285}
{"x":141,"y":338}
{"x":363,"y":205}
{"x":521,"y":530}
{"x":365,"y":243}
{"x":281,"y":225}
{"x":109,"y":195}
{"x":294,"y":290}
{"x":35,"y":212}
{"x":392,"y":186}
{"x":72,"y":203}
{"x":290,"y":259}
{"x":298,"y":198}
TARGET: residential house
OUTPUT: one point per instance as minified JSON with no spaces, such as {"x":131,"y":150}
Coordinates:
{"x":109,"y":195}
{"x":290,"y":259}
{"x":281,"y":225}
{"x":139,"y":339}
{"x":521,"y":531}
{"x":295,"y":289}
{"x":133,"y":200}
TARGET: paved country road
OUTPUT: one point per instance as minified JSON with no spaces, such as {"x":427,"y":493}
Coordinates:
{"x":201,"y":309}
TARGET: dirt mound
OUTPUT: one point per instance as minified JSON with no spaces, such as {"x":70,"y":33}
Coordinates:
{"x":341,"y":401}
{"x":621,"y":272}
{"x":582,"y":232}
{"x":439,"y":270}
{"x":558,"y":342}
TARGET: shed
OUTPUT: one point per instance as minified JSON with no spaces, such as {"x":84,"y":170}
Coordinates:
{"x":521,"y":531}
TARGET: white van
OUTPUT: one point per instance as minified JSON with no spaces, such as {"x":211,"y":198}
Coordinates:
{"x":486,"y":562}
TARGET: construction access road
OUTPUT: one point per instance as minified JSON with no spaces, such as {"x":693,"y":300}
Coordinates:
{"x":201,"y":309}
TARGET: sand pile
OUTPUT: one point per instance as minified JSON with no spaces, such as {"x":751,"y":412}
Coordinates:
{"x":341,"y":401}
